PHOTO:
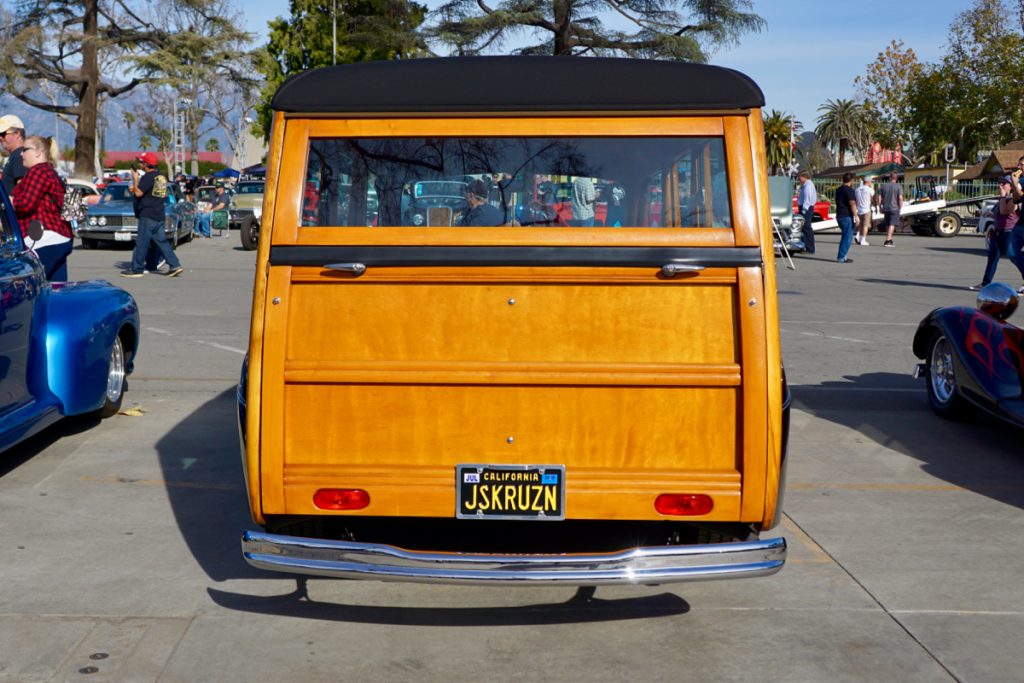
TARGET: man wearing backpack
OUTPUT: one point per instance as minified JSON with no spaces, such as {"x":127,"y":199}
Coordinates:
{"x":150,"y":193}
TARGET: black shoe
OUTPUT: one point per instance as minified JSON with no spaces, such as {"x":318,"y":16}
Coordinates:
{"x":845,"y":260}
{"x":175,"y":272}
{"x":131,"y":273}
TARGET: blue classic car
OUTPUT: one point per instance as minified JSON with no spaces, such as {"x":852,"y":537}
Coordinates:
{"x":65,"y":348}
{"x":113,"y":217}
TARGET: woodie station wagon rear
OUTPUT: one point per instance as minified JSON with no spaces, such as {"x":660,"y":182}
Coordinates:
{"x":508,"y":391}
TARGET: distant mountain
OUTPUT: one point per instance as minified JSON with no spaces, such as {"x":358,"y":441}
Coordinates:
{"x":118,"y":137}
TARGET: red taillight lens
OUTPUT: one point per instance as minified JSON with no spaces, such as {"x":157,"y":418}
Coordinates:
{"x":687,"y":504}
{"x":341,"y":499}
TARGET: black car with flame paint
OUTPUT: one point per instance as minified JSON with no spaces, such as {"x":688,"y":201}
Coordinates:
{"x":974,"y":358}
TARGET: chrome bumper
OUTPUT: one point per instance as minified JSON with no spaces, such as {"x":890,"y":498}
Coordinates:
{"x":652,"y":565}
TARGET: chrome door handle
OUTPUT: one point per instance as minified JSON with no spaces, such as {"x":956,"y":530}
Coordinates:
{"x":354,"y":268}
{"x":673,"y":269}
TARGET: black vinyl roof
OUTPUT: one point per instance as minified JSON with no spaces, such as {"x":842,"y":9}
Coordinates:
{"x":511,"y":84}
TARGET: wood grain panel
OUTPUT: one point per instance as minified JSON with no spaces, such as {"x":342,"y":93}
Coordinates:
{"x":602,"y":427}
{"x":773,"y":351}
{"x":429,"y":491}
{"x":547,"y":323}
{"x":532,"y":127}
{"x":470,"y":372}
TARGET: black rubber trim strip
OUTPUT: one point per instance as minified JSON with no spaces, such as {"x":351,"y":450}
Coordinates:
{"x":370,"y":256}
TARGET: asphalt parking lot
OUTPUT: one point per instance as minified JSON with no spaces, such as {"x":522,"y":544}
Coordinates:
{"x":119,"y":540}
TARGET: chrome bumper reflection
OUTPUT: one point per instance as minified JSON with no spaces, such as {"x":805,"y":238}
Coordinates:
{"x":651,"y":565}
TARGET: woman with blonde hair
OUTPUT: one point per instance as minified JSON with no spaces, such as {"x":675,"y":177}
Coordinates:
{"x":37,"y":201}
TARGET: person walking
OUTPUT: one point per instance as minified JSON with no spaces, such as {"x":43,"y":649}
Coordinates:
{"x":150,"y":192}
{"x":805,"y":202}
{"x":1006,"y":217}
{"x":865,"y":201}
{"x":1016,"y":245}
{"x":892,"y":202}
{"x":846,"y":209}
{"x":12,"y":139}
{"x":37,"y":201}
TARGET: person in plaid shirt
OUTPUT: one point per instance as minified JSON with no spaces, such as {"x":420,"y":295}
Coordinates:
{"x":37,"y":201}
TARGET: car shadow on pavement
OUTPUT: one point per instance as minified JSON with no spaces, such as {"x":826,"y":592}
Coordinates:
{"x":980,"y":250}
{"x":18,"y":455}
{"x":981,"y":454}
{"x":582,"y":607}
{"x":200,"y":461}
{"x":914,"y":283}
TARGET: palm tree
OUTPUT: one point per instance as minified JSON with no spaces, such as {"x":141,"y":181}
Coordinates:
{"x":777,"y":141}
{"x":212,"y":145}
{"x":843,"y":125}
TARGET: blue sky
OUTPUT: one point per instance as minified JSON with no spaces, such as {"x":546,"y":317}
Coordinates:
{"x":811,"y":50}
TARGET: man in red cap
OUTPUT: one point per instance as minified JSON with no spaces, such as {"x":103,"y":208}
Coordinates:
{"x":150,"y":193}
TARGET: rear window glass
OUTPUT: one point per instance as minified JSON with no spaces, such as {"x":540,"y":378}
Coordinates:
{"x":533,"y":182}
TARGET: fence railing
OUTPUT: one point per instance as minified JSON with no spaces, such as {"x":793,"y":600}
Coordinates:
{"x":969,"y":189}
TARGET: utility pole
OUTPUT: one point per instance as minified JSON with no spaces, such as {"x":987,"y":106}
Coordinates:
{"x":334,"y":39}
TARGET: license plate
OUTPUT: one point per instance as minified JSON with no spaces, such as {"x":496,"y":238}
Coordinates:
{"x":510,"y":492}
{"x":122,"y":237}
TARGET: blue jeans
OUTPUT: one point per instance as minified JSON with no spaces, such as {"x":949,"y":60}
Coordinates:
{"x":1016,"y":245}
{"x":152,"y":230}
{"x":203,"y":223}
{"x":808,"y":230}
{"x":846,"y":225}
{"x":55,"y":260}
{"x":997,"y":246}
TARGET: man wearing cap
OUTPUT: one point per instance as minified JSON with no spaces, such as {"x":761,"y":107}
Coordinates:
{"x":12,"y":139}
{"x":479,"y":212}
{"x":150,"y":193}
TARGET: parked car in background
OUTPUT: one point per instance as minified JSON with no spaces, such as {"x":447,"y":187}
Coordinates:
{"x":113,"y":219}
{"x":821,"y":209}
{"x":974,"y":358}
{"x":246,"y":211}
{"x":90,"y":193}
{"x":435,"y":202}
{"x":66,"y":348}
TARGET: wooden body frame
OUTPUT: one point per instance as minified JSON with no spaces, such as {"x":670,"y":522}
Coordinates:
{"x":290,"y":373}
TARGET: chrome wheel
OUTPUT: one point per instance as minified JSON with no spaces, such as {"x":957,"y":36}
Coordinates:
{"x":113,"y":393}
{"x":940,"y":371}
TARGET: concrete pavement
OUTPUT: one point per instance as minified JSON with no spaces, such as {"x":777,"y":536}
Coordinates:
{"x":120,"y":556}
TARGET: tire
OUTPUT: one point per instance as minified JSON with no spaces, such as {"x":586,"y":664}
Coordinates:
{"x":250,"y":234}
{"x":90,"y":243}
{"x":940,"y":379}
{"x":114,"y":392}
{"x":947,"y":224}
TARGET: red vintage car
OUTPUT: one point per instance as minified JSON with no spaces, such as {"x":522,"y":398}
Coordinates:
{"x":821,"y":209}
